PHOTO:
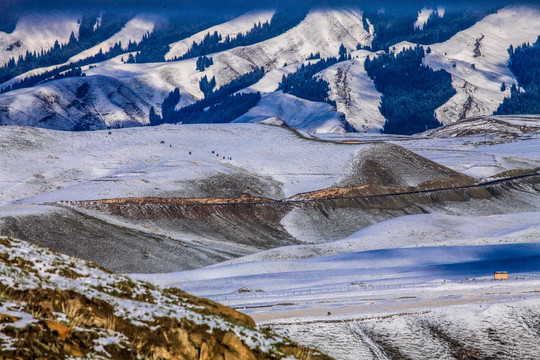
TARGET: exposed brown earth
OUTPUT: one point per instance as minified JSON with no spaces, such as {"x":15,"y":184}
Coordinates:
{"x":228,"y":228}
{"x":369,"y":190}
{"x":68,"y":321}
{"x":243,"y":199}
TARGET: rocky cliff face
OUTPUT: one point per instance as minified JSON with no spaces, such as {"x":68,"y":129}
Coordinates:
{"x":55,"y":307}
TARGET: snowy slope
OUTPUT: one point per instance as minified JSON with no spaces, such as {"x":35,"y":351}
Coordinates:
{"x":133,"y":31}
{"x":77,"y":103}
{"x":133,"y":162}
{"x":271,"y":80}
{"x":478,"y":88}
{"x":37,"y":32}
{"x":355,"y":93}
{"x":301,"y":114}
{"x":416,"y":230}
{"x":79,"y":301}
{"x":233,"y":28}
{"x":447,"y":322}
{"x":321,"y":31}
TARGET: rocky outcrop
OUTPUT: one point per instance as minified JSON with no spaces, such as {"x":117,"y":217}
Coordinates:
{"x":56,"y":307}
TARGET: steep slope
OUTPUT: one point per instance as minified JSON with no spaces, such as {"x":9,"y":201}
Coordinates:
{"x":133,"y":31}
{"x":59,"y":307}
{"x":499,"y":329}
{"x":36,"y":32}
{"x":354,"y":93}
{"x":321,"y":31}
{"x":78,"y":103}
{"x":477,"y":59}
{"x":232,"y":29}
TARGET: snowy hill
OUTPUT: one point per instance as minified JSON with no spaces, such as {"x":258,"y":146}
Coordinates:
{"x":477,"y":59}
{"x":354,"y":93}
{"x":36,"y":32}
{"x":78,"y":103}
{"x":231,"y":29}
{"x":321,"y":31}
{"x":133,"y":31}
{"x":59,"y":307}
{"x":173,"y":197}
{"x":272,"y":190}
{"x":301,"y":114}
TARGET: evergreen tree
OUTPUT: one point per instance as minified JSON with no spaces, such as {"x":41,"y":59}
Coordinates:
{"x":218,"y":106}
{"x":524,"y":62}
{"x":305,"y":85}
{"x":207,"y":86}
{"x":281,"y":21}
{"x":342,"y":53}
{"x":203,"y":62}
{"x":154,"y":119}
{"x":411,"y":91}
{"x":170,"y":102}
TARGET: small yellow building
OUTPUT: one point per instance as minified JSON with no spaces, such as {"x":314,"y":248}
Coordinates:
{"x":500,"y":275}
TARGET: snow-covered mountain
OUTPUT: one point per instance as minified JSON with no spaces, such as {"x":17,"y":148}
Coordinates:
{"x":78,"y":103}
{"x":36,"y":33}
{"x":231,"y":29}
{"x":476,"y":58}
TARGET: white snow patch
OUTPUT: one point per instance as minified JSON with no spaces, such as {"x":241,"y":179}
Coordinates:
{"x":477,"y":59}
{"x":423,"y":16}
{"x":36,"y":32}
{"x":232,"y":29}
{"x":133,"y":31}
{"x":314,"y":117}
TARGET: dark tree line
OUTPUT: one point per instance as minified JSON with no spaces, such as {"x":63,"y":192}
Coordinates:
{"x":281,"y":22}
{"x":228,"y":109}
{"x":219,"y":106}
{"x":395,"y":25}
{"x":410,"y":91}
{"x":88,"y":36}
{"x":152,"y":43}
{"x":65,"y":70}
{"x":235,"y":85}
{"x":524,"y":63}
{"x":155,"y":45}
{"x":225,"y":111}
{"x":303,"y":84}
